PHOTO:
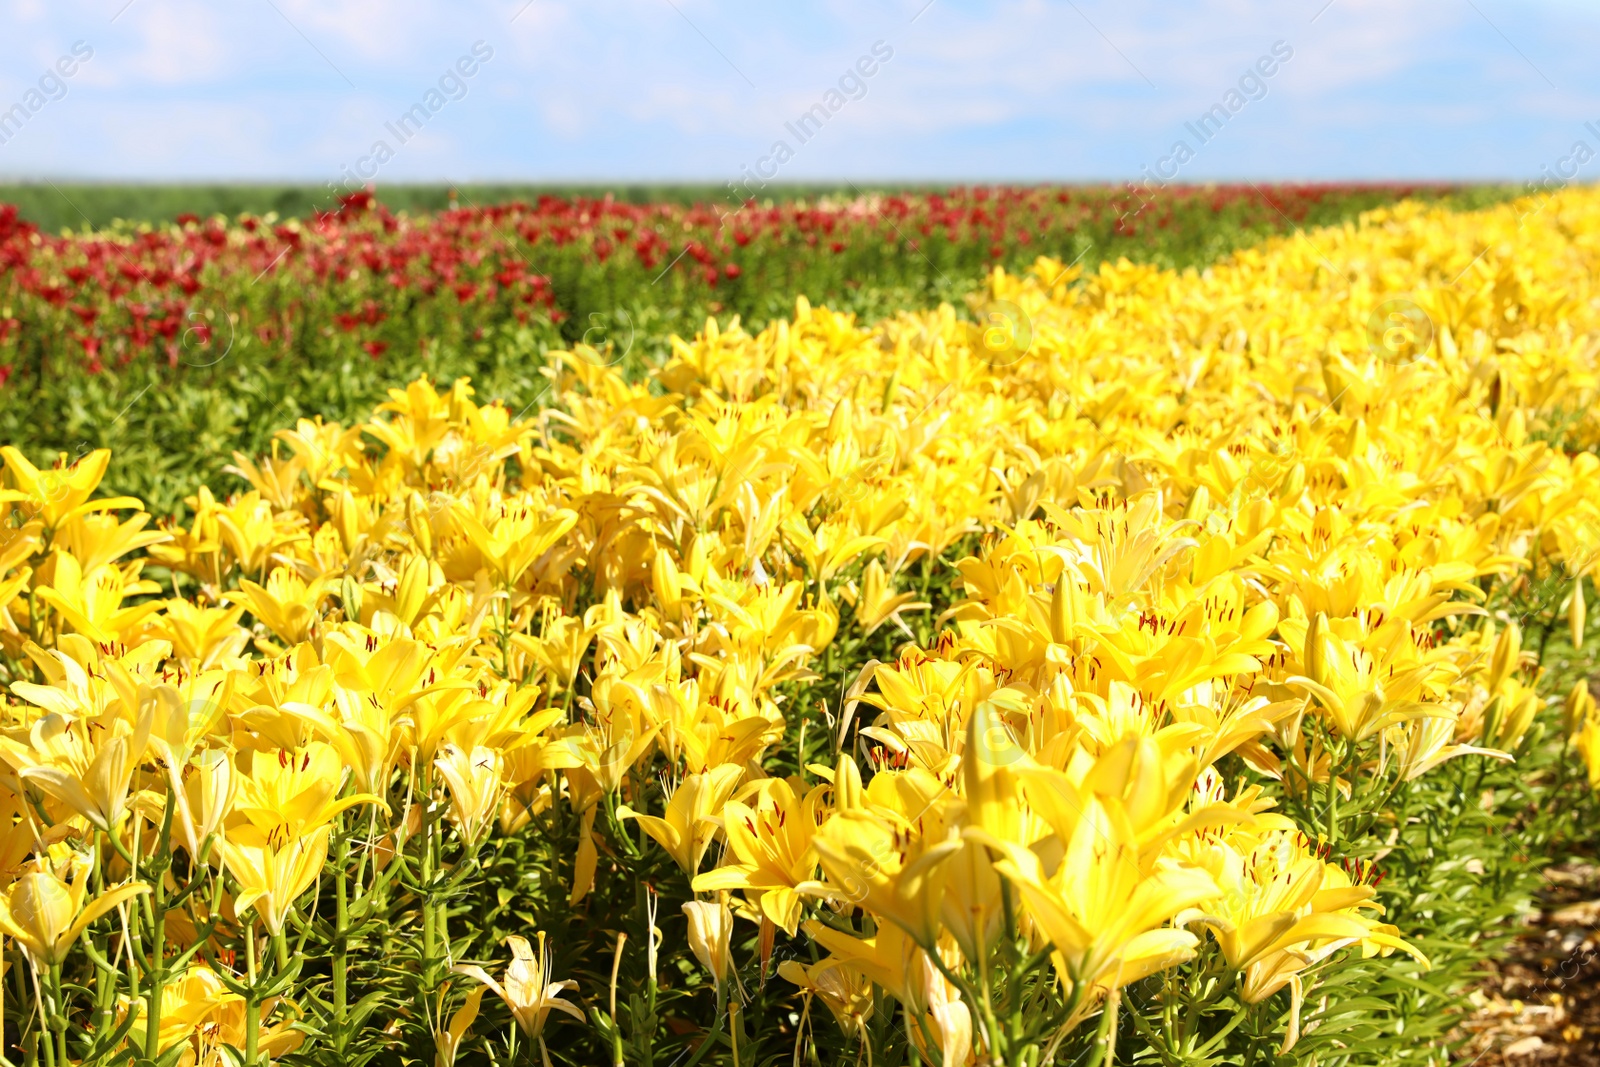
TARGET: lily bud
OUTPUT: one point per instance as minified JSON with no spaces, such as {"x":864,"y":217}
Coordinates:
{"x":1294,"y":484}
{"x":411,"y":591}
{"x":1062,"y":616}
{"x":347,"y":519}
{"x":1575,"y":613}
{"x":418,"y":523}
{"x":1507,"y":653}
{"x":1579,"y":707}
{"x":847,"y":790}
{"x":839,"y":423}
{"x":207,"y":798}
{"x":350,"y":597}
{"x":1315,"y":655}
{"x":667,"y":584}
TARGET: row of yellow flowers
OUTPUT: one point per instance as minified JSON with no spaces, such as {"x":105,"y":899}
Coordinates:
{"x":1175,"y":581}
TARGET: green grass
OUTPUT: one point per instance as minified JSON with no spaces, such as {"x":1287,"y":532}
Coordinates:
{"x":57,"y":206}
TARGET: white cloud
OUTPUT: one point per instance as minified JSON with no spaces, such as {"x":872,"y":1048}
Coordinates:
{"x":631,"y":88}
{"x":182,"y":43}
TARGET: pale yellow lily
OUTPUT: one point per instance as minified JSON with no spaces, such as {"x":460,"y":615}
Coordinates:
{"x":47,"y":913}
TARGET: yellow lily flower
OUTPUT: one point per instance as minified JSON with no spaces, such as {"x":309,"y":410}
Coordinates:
{"x":291,"y":793}
{"x":91,"y":602}
{"x":1092,"y":901}
{"x":273,"y":869}
{"x":475,"y":785}
{"x":1361,"y":693}
{"x":196,"y":1000}
{"x":288,"y":605}
{"x":60,"y":492}
{"x":201,"y":636}
{"x":843,"y":990}
{"x":47,"y":913}
{"x":710,"y":926}
{"x":513,"y":541}
{"x":772,"y":845}
{"x":90,"y":770}
{"x":889,"y":869}
{"x":447,"y":1042}
{"x":876,"y":603}
{"x":690,"y":820}
{"x":527,"y":989}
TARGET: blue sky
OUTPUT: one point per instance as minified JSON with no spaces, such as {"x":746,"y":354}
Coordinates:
{"x":618,"y":90}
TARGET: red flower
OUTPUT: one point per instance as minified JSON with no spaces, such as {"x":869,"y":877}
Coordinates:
{"x":375,"y":349}
{"x":91,"y":352}
{"x":732,"y":271}
{"x":358,"y":201}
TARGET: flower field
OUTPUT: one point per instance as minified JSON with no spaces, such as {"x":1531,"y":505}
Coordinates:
{"x":1141,"y":665}
{"x":176,"y":344}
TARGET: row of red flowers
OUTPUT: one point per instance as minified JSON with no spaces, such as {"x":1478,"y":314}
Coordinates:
{"x":359,"y":277}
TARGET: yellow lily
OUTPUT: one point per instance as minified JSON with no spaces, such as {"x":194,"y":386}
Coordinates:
{"x":62,"y":491}
{"x":690,"y":820}
{"x":69,"y":763}
{"x":195,"y":1000}
{"x":291,"y":793}
{"x":47,"y":913}
{"x":447,"y":1042}
{"x":879,"y":864}
{"x":288,"y":605}
{"x":527,"y":989}
{"x":273,"y":869}
{"x":91,"y":601}
{"x":513,"y":541}
{"x":1092,"y":901}
{"x":876,"y":603}
{"x":843,"y":990}
{"x":710,"y":927}
{"x":772,"y":845}
{"x":475,"y":785}
{"x":1361,"y":693}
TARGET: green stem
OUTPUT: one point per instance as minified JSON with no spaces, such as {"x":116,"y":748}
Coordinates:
{"x":252,"y":1004}
{"x":1334,"y":767}
{"x":425,"y":880}
{"x":157,"y":972}
{"x":55,"y":1023}
{"x":341,"y":948}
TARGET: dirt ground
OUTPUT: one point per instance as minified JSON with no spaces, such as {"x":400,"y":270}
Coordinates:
{"x":1541,"y":1007}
